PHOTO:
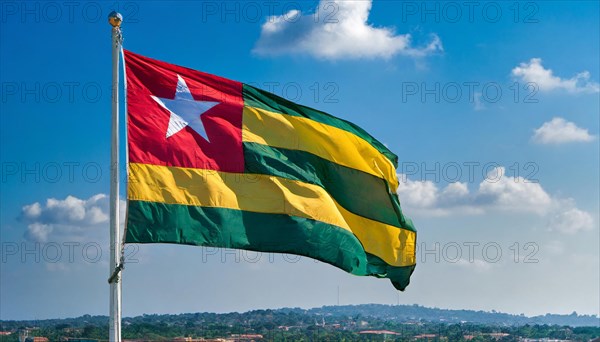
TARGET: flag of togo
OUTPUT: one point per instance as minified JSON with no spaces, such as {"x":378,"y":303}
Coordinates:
{"x":214,"y":162}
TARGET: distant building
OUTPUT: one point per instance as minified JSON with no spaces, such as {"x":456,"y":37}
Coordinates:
{"x":541,"y":340}
{"x":425,"y":337}
{"x":497,"y":336}
{"x":5,"y":333}
{"x":378,"y":332}
{"x":246,"y":337}
{"x":36,"y":339}
{"x":186,"y":339}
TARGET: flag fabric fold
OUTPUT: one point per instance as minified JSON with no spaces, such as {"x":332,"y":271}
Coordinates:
{"x":214,"y":162}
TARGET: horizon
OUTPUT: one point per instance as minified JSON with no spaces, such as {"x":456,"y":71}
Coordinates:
{"x":307,"y":309}
{"x":494,"y":115}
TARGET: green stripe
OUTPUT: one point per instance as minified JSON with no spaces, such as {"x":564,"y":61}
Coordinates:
{"x":150,"y":222}
{"x":258,"y":98}
{"x":359,"y":192}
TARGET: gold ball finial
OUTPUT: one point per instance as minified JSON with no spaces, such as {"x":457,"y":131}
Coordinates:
{"x":115,"y":19}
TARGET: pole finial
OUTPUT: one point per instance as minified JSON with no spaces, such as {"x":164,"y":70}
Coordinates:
{"x":115,"y":19}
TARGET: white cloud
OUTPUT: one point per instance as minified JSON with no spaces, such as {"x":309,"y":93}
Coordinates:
{"x":497,"y":193}
{"x":69,"y":210}
{"x":417,"y":193}
{"x":559,"y":131}
{"x":475,"y":265}
{"x":38,"y":232}
{"x":534,"y":72}
{"x":478,"y":104}
{"x":571,"y":221}
{"x":512,"y":193}
{"x":69,"y":219}
{"x":424,"y":198}
{"x":337,"y":30}
{"x":455,"y":190}
{"x":32,"y":211}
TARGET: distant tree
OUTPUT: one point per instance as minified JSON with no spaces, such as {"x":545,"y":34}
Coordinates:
{"x":91,"y":331}
{"x":62,"y":326}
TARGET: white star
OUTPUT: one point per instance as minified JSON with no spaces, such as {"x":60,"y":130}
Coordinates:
{"x":185,"y":111}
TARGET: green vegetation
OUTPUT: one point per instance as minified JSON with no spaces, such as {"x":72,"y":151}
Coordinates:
{"x":336,"y":323}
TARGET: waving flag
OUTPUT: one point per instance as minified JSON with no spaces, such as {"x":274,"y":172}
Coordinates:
{"x":214,"y":162}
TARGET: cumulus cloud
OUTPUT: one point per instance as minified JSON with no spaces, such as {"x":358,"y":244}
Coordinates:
{"x":425,"y":198}
{"x":38,"y":232}
{"x":68,"y":219}
{"x":534,"y":72}
{"x":512,"y":193}
{"x":418,"y":193}
{"x":33,"y":210}
{"x":69,"y":224}
{"x":497,"y":193}
{"x":337,"y":30}
{"x":559,"y":131}
{"x":571,"y":221}
{"x":69,"y":210}
{"x":455,"y":191}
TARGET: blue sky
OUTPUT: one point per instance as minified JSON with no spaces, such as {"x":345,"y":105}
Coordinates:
{"x":503,"y":187}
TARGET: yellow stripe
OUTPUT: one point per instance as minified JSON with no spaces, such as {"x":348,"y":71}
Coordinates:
{"x":267,"y":194}
{"x":328,"y":142}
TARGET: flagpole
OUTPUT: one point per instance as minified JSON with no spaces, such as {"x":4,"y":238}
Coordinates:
{"x":115,"y":20}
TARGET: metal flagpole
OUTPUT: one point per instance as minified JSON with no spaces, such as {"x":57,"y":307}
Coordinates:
{"x":115,"y":20}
